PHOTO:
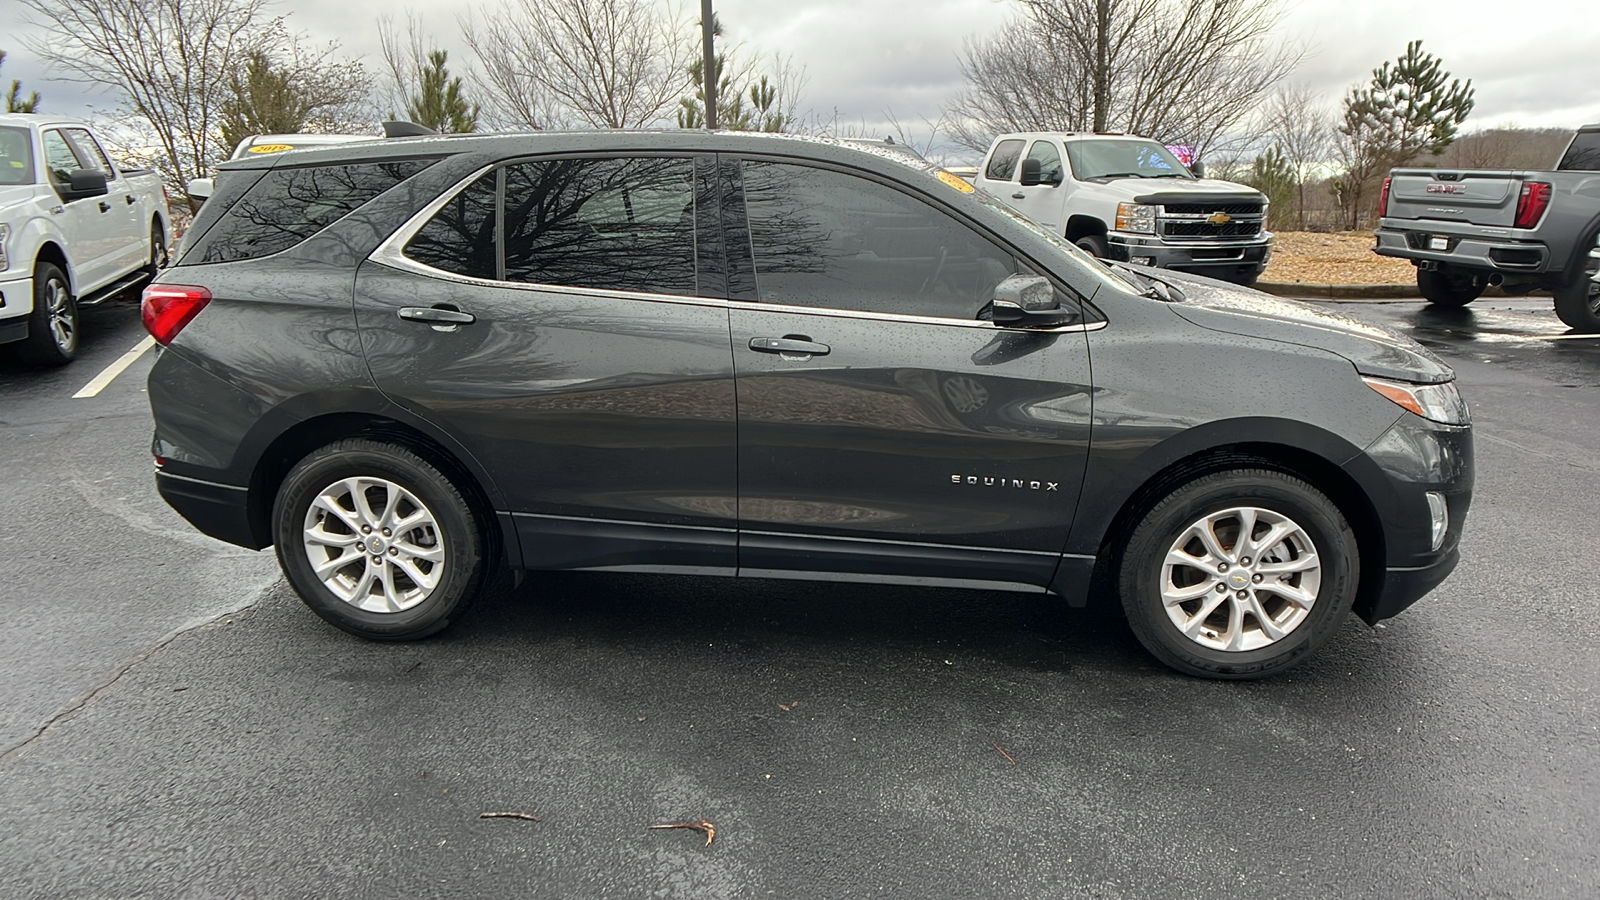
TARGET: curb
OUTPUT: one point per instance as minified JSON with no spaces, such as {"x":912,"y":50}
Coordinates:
{"x":1340,"y":291}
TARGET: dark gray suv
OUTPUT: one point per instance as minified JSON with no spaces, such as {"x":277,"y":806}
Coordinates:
{"x":411,"y":363}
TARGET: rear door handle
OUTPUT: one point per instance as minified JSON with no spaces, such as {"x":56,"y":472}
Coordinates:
{"x":797,"y":344}
{"x":1019,"y":196}
{"x":128,"y":198}
{"x":437,"y":315}
{"x":104,"y":206}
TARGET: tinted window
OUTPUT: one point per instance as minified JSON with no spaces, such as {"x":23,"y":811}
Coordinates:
{"x":60,"y":159}
{"x":16,"y":156}
{"x":460,"y":238}
{"x":1004,"y":161}
{"x":1049,"y":160}
{"x":614,"y":224}
{"x":1584,"y":154}
{"x":289,"y":205}
{"x":828,"y":239}
{"x":89,"y":150}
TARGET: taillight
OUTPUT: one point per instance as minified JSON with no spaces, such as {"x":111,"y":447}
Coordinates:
{"x":1383,"y":200}
{"x":1531,"y":205}
{"x":166,"y":308}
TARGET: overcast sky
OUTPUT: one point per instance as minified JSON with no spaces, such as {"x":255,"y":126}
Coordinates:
{"x":867,"y":57}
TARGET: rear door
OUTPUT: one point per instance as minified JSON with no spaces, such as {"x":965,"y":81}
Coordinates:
{"x":556,"y":318}
{"x":884,"y":429}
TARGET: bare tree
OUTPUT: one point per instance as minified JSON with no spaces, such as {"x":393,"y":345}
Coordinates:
{"x":1180,"y":71}
{"x":170,"y":61}
{"x":600,"y":63}
{"x":1298,"y":122}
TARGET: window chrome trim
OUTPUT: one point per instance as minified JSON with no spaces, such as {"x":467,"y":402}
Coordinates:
{"x":391,"y":253}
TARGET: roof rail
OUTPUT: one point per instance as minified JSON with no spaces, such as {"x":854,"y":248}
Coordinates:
{"x":397,"y":129}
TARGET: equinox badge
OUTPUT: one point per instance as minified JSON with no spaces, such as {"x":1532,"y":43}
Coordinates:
{"x":987,"y":481}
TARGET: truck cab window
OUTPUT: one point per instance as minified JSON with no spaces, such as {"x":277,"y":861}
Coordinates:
{"x":60,"y":159}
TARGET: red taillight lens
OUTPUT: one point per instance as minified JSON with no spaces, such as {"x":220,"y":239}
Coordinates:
{"x":1531,"y":205}
{"x":166,"y":308}
{"x":1383,"y":200}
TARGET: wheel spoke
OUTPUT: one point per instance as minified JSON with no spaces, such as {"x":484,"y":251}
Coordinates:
{"x":1274,"y":536}
{"x":1265,"y":621}
{"x":322,"y":535}
{"x":1208,"y":536}
{"x":325,"y":570}
{"x":327,"y":504}
{"x":1298,"y":596}
{"x":427,"y":581}
{"x":1177,"y":556}
{"x":1198,"y":620}
{"x":1243,"y":544}
{"x":390,"y":597}
{"x":1175,"y":595}
{"x":1235,"y":625}
{"x":1305,"y":562}
{"x":358,"y":492}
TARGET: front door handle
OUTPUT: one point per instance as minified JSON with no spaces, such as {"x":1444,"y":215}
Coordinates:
{"x":1019,"y":196}
{"x":128,"y":198}
{"x":794,"y":343}
{"x":442,"y":314}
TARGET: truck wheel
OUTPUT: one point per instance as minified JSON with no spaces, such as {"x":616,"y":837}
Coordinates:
{"x":158,"y":251}
{"x":1094,"y":245}
{"x":377,"y":541}
{"x":53,"y":324}
{"x":1578,"y":303}
{"x":1239,"y":574}
{"x":1443,"y":287}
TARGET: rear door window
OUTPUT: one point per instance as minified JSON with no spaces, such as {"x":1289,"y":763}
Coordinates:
{"x":611,"y":224}
{"x":289,"y":205}
{"x":1003,"y":162}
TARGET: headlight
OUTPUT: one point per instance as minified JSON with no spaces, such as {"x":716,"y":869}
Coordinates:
{"x":1136,"y":217}
{"x":5,"y":238}
{"x":1438,"y":402}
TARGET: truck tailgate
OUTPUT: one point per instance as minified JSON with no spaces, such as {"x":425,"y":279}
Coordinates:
{"x":1477,"y":197}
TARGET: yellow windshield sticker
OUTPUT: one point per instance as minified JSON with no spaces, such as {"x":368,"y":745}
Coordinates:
{"x":954,"y":180}
{"x":18,"y":164}
{"x":270,"y":148}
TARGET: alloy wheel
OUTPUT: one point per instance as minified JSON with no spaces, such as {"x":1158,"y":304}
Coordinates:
{"x":374,"y":545}
{"x":62,"y":319}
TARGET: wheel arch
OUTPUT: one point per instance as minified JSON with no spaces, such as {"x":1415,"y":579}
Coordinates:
{"x":292,"y":444}
{"x":54,"y":253}
{"x":1081,"y":226}
{"x":1327,"y":476}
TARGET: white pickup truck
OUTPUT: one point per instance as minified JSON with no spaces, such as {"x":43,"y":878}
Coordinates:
{"x":75,"y":229}
{"x":1130,"y":199}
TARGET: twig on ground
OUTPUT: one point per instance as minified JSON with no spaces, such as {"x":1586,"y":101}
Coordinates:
{"x":509,"y":815}
{"x":1003,"y":752}
{"x":701,"y":825}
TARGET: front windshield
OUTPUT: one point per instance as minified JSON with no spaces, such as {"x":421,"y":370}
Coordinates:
{"x":1123,"y":159}
{"x":16,"y":156}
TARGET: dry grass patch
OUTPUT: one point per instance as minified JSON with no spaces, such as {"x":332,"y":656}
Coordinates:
{"x":1306,"y":257}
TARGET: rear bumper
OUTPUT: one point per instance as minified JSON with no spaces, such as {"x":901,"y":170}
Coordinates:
{"x":1199,"y":257}
{"x":219,"y":510}
{"x":1466,"y":246}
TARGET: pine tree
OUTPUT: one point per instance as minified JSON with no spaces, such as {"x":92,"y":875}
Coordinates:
{"x":15,"y":102}
{"x":439,"y":102}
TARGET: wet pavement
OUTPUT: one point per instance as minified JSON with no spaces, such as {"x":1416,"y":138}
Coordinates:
{"x":173,"y":723}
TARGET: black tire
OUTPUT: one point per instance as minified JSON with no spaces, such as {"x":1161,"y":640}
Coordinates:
{"x":1095,"y":245}
{"x":53,"y":306}
{"x":158,"y":251}
{"x":458,"y":532}
{"x":1443,"y":287}
{"x":1141,"y":574}
{"x":1244,"y":277}
{"x":1578,"y":303}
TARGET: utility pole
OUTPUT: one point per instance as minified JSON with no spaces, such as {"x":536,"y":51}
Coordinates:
{"x":708,"y":77}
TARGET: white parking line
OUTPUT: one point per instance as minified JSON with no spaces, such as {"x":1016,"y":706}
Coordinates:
{"x":109,"y":373}
{"x":1572,"y":337}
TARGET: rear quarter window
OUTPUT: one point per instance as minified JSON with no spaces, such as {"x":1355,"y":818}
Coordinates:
{"x":289,"y":205}
{"x":1583,"y":155}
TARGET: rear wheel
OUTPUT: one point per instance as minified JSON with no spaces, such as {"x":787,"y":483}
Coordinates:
{"x":377,"y":541}
{"x":1239,"y":574}
{"x":1445,"y":287}
{"x":1578,"y":303}
{"x":53,"y":324}
{"x":158,"y":250}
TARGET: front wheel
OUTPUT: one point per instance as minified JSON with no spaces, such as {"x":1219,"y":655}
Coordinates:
{"x":1443,"y":287}
{"x":53,"y":325}
{"x":1239,"y":574}
{"x":1578,"y":303}
{"x":1094,"y":245}
{"x":377,"y":541}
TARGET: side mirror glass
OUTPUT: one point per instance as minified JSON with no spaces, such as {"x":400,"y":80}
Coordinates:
{"x":199,"y":188}
{"x":1030,"y":172}
{"x":1028,"y":301}
{"x":84,"y":183}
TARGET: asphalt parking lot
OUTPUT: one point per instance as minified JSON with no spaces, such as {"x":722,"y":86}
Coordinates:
{"x":173,"y":723}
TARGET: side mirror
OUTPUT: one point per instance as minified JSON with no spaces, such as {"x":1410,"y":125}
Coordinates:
{"x":199,"y":188}
{"x":1030,"y":172}
{"x":85,"y":183}
{"x":1028,"y":301}
{"x":1198,"y":167}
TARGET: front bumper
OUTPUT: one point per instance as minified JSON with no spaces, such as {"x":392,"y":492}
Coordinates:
{"x":1200,"y":257}
{"x":16,"y":301}
{"x":1414,"y":458}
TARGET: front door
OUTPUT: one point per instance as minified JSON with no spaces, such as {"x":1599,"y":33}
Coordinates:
{"x":884,"y":429}
{"x":581,"y":356}
{"x":1045,"y":202}
{"x":89,"y":222}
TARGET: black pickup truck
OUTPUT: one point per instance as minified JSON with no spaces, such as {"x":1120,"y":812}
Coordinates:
{"x":1466,"y":229}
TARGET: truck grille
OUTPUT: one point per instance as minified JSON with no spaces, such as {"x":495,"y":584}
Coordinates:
{"x":1204,"y":209}
{"x":1203,"y":229}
